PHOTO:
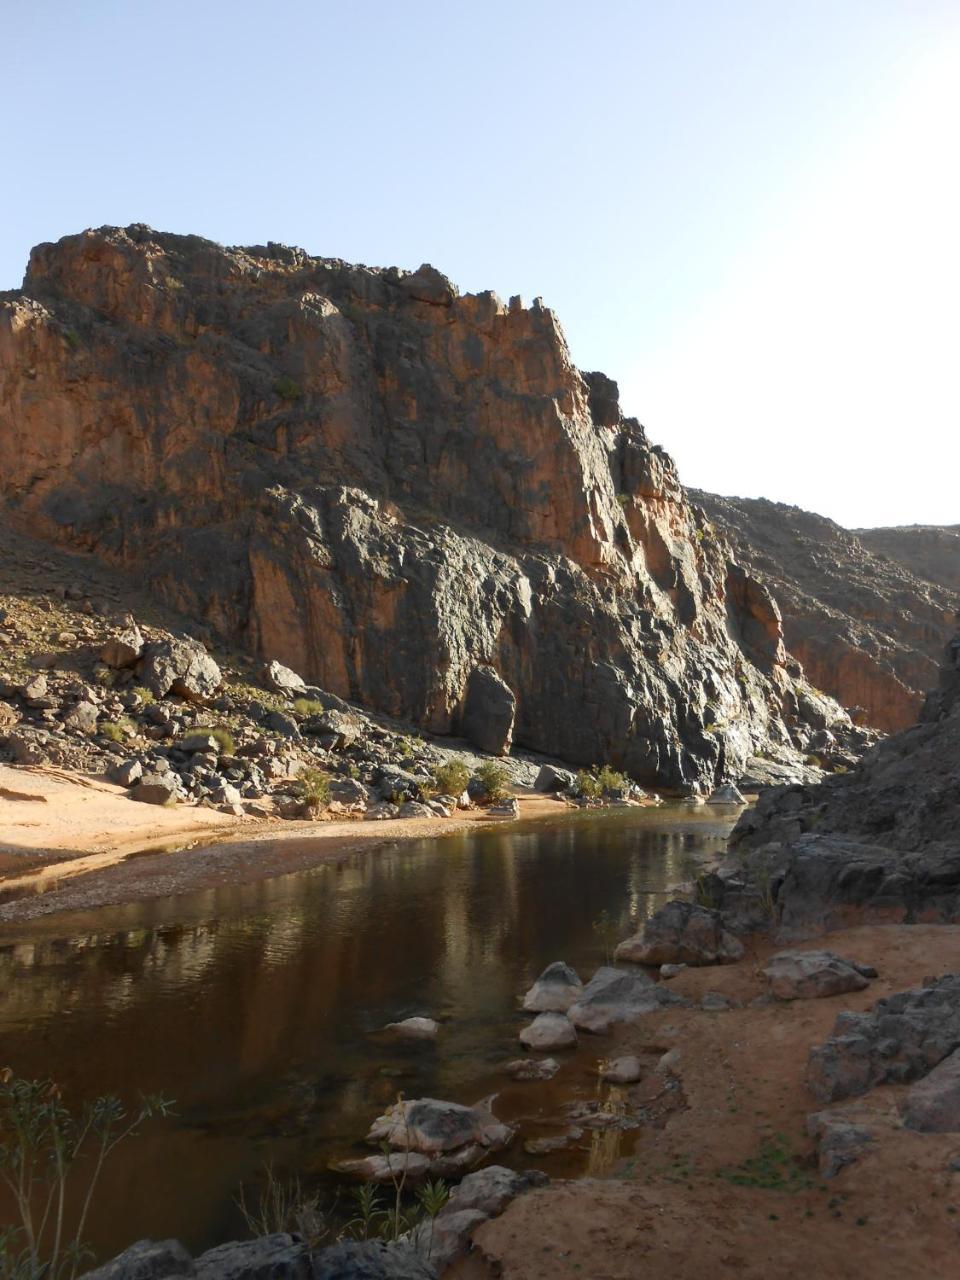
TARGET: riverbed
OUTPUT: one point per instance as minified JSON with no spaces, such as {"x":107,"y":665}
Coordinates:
{"x":259,"y":1007}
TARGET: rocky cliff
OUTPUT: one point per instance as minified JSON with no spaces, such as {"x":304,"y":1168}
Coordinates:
{"x":410,"y":496}
{"x":867,"y":613}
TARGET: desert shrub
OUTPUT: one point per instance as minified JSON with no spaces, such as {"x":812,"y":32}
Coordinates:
{"x":451,"y":778}
{"x":307,"y":707}
{"x":224,"y":739}
{"x":111,"y":729}
{"x":313,"y":788}
{"x":283,"y":1206}
{"x":588,"y":785}
{"x":494,"y":780}
{"x":611,"y":781}
{"x":144,"y":695}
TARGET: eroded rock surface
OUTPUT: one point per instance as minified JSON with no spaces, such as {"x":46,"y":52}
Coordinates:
{"x":682,"y":933}
{"x":386,"y":487}
{"x":810,"y":975}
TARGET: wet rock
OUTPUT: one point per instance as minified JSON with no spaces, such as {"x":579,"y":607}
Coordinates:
{"x":146,"y":1260}
{"x":554,"y":991}
{"x":123,"y":649}
{"x":489,"y":711}
{"x":432,"y":1127}
{"x":549,"y":1031}
{"x":532,"y":1068}
{"x":155,"y":788}
{"x":901,"y":1039}
{"x":386,"y":1168}
{"x":182,"y":667}
{"x":613,"y":995}
{"x":841,"y":1139}
{"x":272,"y":1257}
{"x":682,"y":933}
{"x":808,"y":975}
{"x":551,"y":779}
{"x":282,"y":680}
{"x":933,"y":1104}
{"x":625,"y":1070}
{"x":415,"y":1028}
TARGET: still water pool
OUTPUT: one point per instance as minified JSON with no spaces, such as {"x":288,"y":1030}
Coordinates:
{"x":258,"y":1008}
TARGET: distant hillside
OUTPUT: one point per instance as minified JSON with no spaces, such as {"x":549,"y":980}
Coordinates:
{"x":867,"y":612}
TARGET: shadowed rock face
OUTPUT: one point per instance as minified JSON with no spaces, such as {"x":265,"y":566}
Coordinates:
{"x":866,"y":612}
{"x":385,"y":486}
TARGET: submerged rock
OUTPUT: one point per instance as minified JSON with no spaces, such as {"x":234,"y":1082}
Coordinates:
{"x":415,"y":1028}
{"x":532,"y":1068}
{"x":626,"y":1070}
{"x":432,"y":1126}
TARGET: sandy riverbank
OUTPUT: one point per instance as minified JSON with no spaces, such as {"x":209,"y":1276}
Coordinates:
{"x":67,"y":843}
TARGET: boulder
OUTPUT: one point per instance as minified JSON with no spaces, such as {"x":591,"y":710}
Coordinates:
{"x":613,"y":995}
{"x":933,"y":1104}
{"x":123,"y":649}
{"x":727,"y":794}
{"x":386,"y":1168}
{"x":278,"y":722}
{"x":282,"y":680}
{"x":554,"y":991}
{"x":415,"y":1028}
{"x":156,"y":788}
{"x":182,"y":667}
{"x":9,"y":716}
{"x":532,"y":1068}
{"x":81,"y":717}
{"x":509,"y":808}
{"x":146,"y":1260}
{"x":491,"y":1189}
{"x":549,"y":1031}
{"x":625,"y":1070}
{"x":381,"y":812}
{"x":808,"y":975}
{"x":125,"y":773}
{"x":414,"y":809}
{"x":841,"y":1139}
{"x":551,"y":778}
{"x":271,"y":1257}
{"x":370,"y":1260}
{"x":682,"y":933}
{"x":489,"y":710}
{"x":443,"y":1239}
{"x":432,"y":1127}
{"x":901,"y":1039}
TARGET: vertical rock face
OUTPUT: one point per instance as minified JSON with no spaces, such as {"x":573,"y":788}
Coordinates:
{"x":867,"y":612}
{"x":386,"y":486}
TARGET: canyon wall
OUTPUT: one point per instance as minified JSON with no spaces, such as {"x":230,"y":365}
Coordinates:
{"x":387,"y":486}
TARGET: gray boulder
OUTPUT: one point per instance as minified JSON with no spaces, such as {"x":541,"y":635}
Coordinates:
{"x":554,"y":991}
{"x":146,"y":1260}
{"x":728,"y":794}
{"x":488,"y":712}
{"x":370,"y":1260}
{"x":125,"y":773}
{"x":809,"y":975}
{"x":901,"y":1039}
{"x":182,"y":667}
{"x":491,"y":1189}
{"x":613,"y":995}
{"x":551,"y":778}
{"x":81,"y":717}
{"x":282,"y":680}
{"x":273,"y":1257}
{"x":682,"y":933}
{"x":933,"y":1104}
{"x":410,"y":1165}
{"x":549,"y":1031}
{"x":532,"y":1068}
{"x":414,"y":1028}
{"x":123,"y":649}
{"x":443,"y":1239}
{"x":432,"y":1126}
{"x":841,"y":1138}
{"x":155,"y":788}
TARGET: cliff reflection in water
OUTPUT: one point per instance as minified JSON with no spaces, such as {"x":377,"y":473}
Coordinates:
{"x":256,"y":1007}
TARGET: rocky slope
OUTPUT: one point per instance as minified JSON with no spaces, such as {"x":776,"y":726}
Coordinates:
{"x":878,"y":843}
{"x":867,"y":613}
{"x":409,"y":496}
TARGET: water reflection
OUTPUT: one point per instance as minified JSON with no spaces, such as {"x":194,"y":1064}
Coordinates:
{"x":256,"y":1007}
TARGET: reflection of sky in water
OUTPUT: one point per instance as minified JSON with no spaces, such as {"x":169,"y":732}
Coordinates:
{"x":255,"y":1006}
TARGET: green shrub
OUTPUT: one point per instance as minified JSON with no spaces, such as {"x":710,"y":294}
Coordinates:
{"x":287,"y":389}
{"x":224,"y":739}
{"x":112,"y":730}
{"x":611,"y":781}
{"x":494,"y":780}
{"x":451,"y":778}
{"x":588,"y":785}
{"x":313,"y":787}
{"x":307,"y":707}
{"x":144,"y":696}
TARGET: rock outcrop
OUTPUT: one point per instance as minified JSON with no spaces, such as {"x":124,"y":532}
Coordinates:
{"x":867,"y":611}
{"x":877,"y":843}
{"x":388,"y":488}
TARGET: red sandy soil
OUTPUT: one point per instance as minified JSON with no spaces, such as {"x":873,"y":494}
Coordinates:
{"x":669,"y":1211}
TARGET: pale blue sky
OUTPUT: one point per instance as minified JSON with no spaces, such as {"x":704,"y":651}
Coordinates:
{"x":747,"y":213}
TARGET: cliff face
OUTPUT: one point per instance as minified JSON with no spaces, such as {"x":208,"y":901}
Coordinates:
{"x":868,"y":627}
{"x":385,"y":485}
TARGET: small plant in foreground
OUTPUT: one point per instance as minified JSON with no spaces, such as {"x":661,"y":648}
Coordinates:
{"x":307,"y":707}
{"x":224,"y":740}
{"x":493,"y":778}
{"x":284,"y":1207}
{"x":143,"y":695}
{"x":451,"y":778}
{"x":51,"y":1160}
